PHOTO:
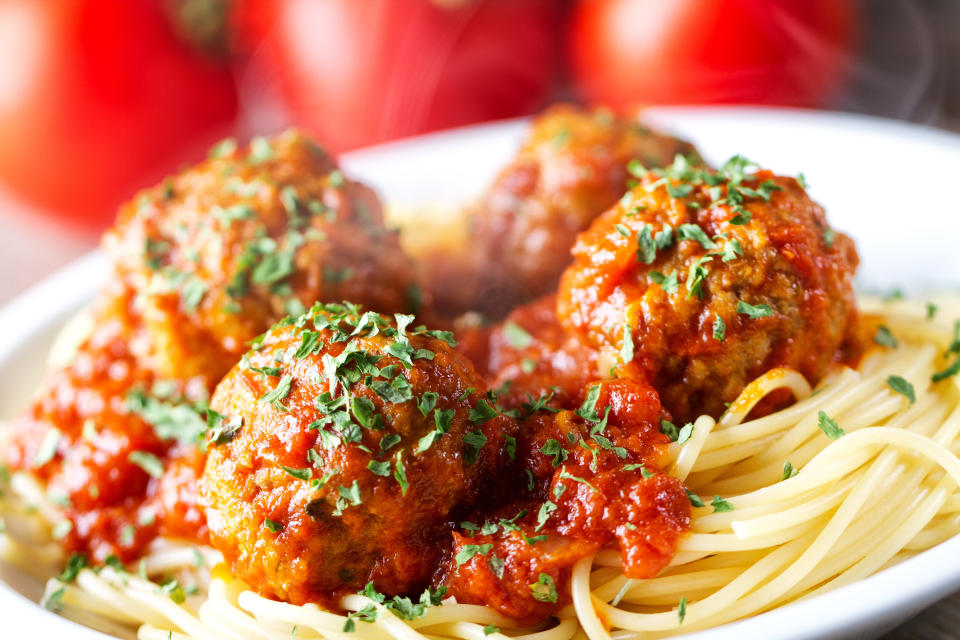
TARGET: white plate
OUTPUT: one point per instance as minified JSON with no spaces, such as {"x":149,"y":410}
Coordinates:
{"x":888,"y":184}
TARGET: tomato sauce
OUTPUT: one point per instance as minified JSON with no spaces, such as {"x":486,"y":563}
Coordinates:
{"x":118,"y":483}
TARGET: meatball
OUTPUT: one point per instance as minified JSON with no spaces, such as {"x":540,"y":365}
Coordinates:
{"x":530,"y":356}
{"x":593,"y":480}
{"x":571,"y":168}
{"x":219,"y":252}
{"x":349,"y":444}
{"x":698,"y":281}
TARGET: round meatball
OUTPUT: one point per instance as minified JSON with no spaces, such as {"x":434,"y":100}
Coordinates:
{"x":348,"y":445}
{"x":571,"y":168}
{"x":219,"y":252}
{"x":698,"y":281}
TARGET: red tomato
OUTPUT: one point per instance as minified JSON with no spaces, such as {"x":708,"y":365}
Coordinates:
{"x":98,"y":98}
{"x":362,"y":71}
{"x":788,"y":52}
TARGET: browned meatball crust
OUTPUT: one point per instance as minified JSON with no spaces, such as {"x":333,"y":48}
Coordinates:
{"x":698,"y":281}
{"x":202,"y":263}
{"x":219,"y":252}
{"x":350,"y":444}
{"x":571,"y":168}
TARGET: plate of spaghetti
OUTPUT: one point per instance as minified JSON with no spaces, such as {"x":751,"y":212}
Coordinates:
{"x":567,"y":377}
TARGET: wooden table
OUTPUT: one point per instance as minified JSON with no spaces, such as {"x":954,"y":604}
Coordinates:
{"x":939,"y":622}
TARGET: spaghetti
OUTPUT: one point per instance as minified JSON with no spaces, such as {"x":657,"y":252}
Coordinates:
{"x":855,"y":476}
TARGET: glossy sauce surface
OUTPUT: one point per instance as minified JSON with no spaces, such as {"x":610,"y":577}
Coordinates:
{"x":698,"y":294}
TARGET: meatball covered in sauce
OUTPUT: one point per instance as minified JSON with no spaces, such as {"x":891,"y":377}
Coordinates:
{"x":589,"y":478}
{"x":571,"y":168}
{"x":530,"y":355}
{"x":349,"y":445}
{"x":698,"y":281}
{"x":219,"y":252}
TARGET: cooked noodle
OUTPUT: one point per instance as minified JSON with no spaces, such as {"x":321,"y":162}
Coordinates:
{"x":870,"y":498}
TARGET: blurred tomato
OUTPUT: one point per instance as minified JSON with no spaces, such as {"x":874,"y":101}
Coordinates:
{"x":788,"y":52}
{"x":361,"y":71}
{"x":98,"y":98}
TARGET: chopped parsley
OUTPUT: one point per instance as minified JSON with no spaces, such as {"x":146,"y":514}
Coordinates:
{"x":694,"y":498}
{"x":380,"y":468}
{"x":884,"y":338}
{"x":720,"y":505}
{"x":670,"y":429}
{"x":668,"y":283}
{"x":299,"y":474}
{"x":272,"y":525}
{"x":482,"y":413}
{"x":697,"y":234}
{"x":468,"y":551}
{"x":147,"y":461}
{"x":474,"y":441}
{"x":54,"y":601}
{"x":277,"y":394}
{"x":564,"y":475}
{"x":181,"y":421}
{"x":47,"y":449}
{"x":192,"y":293}
{"x":427,"y":402}
{"x":222,"y":149}
{"x":544,"y":589}
{"x":517,"y":337}
{"x":788,"y":471}
{"x":719,"y":328}
{"x":219,"y":429}
{"x":903,"y":387}
{"x":364,"y":411}
{"x":309,"y":343}
{"x":829,"y":235}
{"x":553,"y":448}
{"x":76,"y":562}
{"x":697,"y":275}
{"x":260,"y":150}
{"x":626,"y":346}
{"x":543,"y":514}
{"x":951,"y":370}
{"x":646,"y":247}
{"x":400,"y":475}
{"x":829,"y":426}
{"x":348,"y":496}
{"x":754,"y":312}
{"x":388,"y":441}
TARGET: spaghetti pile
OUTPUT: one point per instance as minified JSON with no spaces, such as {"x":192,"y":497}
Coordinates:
{"x":857,"y":475}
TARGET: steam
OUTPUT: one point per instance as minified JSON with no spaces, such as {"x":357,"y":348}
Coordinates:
{"x":896,"y":72}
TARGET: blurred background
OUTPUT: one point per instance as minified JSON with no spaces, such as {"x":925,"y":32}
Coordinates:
{"x":101,"y":97}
